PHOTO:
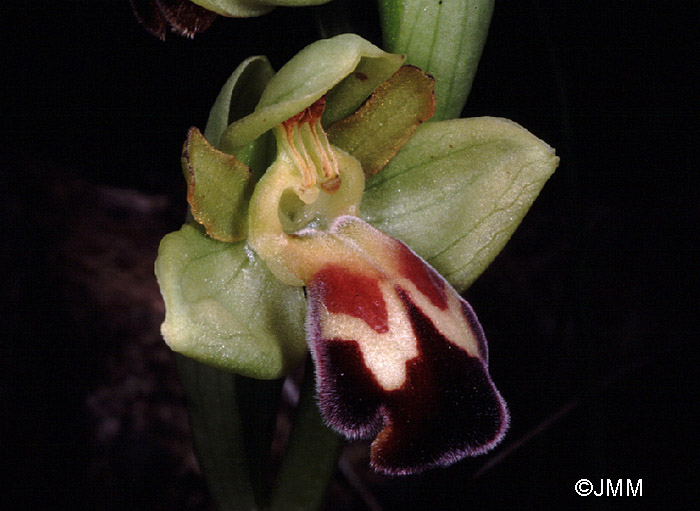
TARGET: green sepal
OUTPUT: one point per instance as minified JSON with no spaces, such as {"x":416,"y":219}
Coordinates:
{"x":376,"y":132}
{"x":224,"y":307}
{"x":218,"y":188}
{"x":457,"y":190}
{"x":237,"y":99}
{"x":249,"y":8}
{"x":444,"y":38}
{"x":312,"y":73}
{"x":238,"y":96}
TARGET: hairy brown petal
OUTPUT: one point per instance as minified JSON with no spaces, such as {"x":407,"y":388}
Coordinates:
{"x":181,"y":16}
{"x":186,"y":18}
{"x":380,"y":128}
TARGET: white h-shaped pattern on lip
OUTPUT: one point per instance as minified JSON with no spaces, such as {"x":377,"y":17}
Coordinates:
{"x":385,"y":354}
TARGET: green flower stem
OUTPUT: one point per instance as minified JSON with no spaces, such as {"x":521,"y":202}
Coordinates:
{"x":311,"y":456}
{"x":232,"y":420}
{"x":258,"y":404}
{"x":218,"y":437}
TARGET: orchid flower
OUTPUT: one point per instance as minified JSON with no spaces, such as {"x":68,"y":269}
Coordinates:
{"x":327,"y":214}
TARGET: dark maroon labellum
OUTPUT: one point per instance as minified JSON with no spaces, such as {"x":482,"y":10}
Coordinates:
{"x":422,"y":388}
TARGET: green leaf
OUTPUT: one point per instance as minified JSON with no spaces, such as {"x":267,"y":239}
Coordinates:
{"x":248,"y":8}
{"x":444,"y":38}
{"x":376,"y":132}
{"x":306,"y":78}
{"x":224,"y":308}
{"x":457,"y":190}
{"x":218,"y":188}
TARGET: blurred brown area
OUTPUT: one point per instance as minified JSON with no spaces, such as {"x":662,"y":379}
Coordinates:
{"x":591,"y":311}
{"x":99,"y":416}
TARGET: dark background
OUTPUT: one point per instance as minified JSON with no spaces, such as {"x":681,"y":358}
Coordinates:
{"x":591,"y":310}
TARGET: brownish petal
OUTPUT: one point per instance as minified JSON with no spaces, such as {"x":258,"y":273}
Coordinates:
{"x":185,"y":18}
{"x":218,"y":188}
{"x":376,"y":132}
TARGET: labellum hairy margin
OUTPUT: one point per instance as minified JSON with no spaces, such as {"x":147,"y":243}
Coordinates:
{"x":399,"y":353}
